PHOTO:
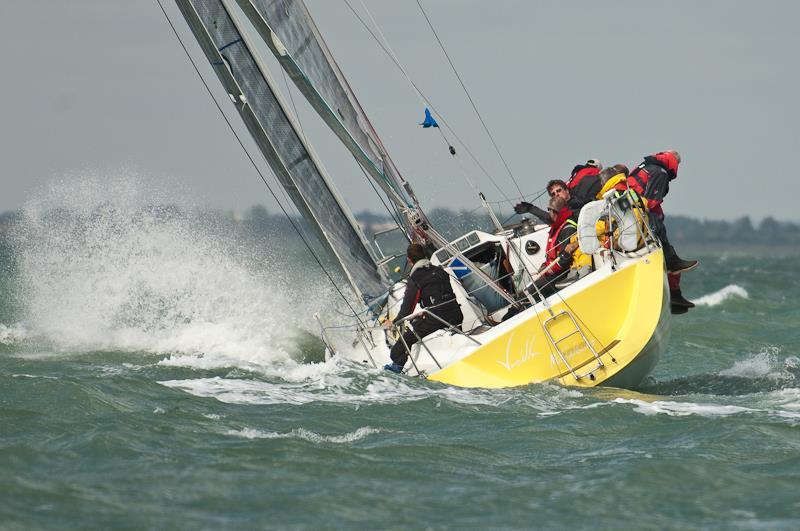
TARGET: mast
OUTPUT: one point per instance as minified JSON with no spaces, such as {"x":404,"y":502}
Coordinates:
{"x":254,"y":94}
{"x":290,"y":33}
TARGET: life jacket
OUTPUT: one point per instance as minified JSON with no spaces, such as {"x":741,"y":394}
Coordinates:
{"x":579,"y":258}
{"x":434,"y":291}
{"x":668,"y":161}
{"x":579,"y":172}
{"x":554,"y":244}
{"x":611,"y":183}
{"x":618,"y":183}
{"x":637,"y":180}
{"x":640,"y":175}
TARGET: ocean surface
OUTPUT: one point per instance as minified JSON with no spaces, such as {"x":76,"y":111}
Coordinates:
{"x":158,"y":372}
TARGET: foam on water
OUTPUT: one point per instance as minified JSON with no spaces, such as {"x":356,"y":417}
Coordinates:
{"x":681,"y":409}
{"x":340,"y":382}
{"x":103,"y":269}
{"x":764,"y":364}
{"x":307,"y":435}
{"x":718,"y":297}
{"x":330,"y":389}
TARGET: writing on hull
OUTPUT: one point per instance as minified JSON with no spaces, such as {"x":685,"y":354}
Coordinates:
{"x":517,"y":356}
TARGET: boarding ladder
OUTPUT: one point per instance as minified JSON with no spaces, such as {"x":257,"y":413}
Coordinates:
{"x":573,"y":330}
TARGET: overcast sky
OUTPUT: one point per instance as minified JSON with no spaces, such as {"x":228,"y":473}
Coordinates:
{"x":94,"y":87}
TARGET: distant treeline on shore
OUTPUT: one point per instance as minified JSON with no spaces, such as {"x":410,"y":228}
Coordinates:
{"x":682,"y":229}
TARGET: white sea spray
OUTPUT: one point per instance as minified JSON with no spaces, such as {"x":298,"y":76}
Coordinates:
{"x":766,"y":363}
{"x":111,"y":263}
{"x":718,"y":297}
{"x":10,"y":334}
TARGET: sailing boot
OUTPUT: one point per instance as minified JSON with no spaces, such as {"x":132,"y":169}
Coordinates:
{"x":677,"y":310}
{"x":676,"y":264}
{"x":677,"y":299}
{"x":393,"y":367}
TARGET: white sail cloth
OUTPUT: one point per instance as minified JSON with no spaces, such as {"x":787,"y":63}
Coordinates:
{"x":255,"y":97}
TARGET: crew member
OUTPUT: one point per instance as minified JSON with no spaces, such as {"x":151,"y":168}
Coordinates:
{"x":428,"y":285}
{"x":614,"y":179}
{"x":584,"y":183}
{"x":651,"y":181}
{"x":555,"y":187}
{"x":559,"y":250}
{"x":610,"y":177}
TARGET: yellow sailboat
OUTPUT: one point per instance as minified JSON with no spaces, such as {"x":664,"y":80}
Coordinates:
{"x":607,"y":327}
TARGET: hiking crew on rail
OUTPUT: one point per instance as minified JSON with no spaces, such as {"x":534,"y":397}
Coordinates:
{"x":649,"y":182}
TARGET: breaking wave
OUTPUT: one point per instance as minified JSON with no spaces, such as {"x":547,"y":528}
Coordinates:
{"x":682,"y":409}
{"x":764,"y":371}
{"x":107,"y":263}
{"x":718,"y":297}
{"x":765,"y":365}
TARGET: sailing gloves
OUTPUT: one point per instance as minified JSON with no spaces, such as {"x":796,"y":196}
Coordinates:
{"x":523,"y":208}
{"x":529,"y":208}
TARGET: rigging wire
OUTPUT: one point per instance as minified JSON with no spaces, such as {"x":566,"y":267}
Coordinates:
{"x":396,"y":59}
{"x":394,"y":215}
{"x":255,"y":166}
{"x":469,"y":97}
{"x":424,"y":98}
{"x":537,"y":194}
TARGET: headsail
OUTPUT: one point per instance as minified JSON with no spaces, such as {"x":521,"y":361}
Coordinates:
{"x":288,"y":29}
{"x":253,"y":93}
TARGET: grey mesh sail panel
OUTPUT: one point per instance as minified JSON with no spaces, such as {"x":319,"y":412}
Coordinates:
{"x":254,"y":96}
{"x":311,"y":66}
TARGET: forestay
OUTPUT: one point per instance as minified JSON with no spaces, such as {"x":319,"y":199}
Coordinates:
{"x":253,"y":93}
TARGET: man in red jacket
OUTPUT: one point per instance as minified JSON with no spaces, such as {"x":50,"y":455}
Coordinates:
{"x":582,"y":187}
{"x":651,"y":181}
{"x":584,"y":184}
{"x":559,"y":248}
{"x":555,"y":187}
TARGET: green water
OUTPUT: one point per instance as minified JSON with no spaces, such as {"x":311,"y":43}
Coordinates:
{"x":166,"y":382}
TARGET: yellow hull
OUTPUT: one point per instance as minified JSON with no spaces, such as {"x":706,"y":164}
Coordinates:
{"x":625,"y":318}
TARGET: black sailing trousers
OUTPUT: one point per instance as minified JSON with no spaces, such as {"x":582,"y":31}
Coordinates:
{"x":660,"y":230}
{"x":423,"y":326}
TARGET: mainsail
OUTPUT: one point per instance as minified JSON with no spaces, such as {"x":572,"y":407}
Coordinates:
{"x":291,"y":34}
{"x":253,"y":93}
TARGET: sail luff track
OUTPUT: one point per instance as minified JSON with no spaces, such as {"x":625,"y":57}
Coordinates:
{"x":278,"y":138}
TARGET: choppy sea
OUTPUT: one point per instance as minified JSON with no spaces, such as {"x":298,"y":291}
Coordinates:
{"x":160,"y":372}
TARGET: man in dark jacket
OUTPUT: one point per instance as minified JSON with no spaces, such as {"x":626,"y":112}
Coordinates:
{"x":651,"y":181}
{"x":428,"y":285}
{"x":584,"y":184}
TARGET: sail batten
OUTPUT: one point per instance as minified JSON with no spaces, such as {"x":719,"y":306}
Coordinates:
{"x":294,"y":163}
